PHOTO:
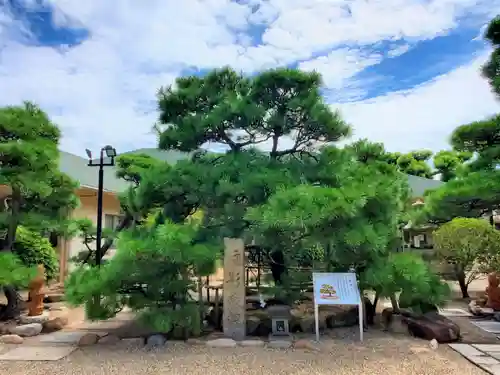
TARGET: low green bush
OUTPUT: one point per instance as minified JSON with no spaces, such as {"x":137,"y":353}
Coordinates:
{"x":33,"y":249}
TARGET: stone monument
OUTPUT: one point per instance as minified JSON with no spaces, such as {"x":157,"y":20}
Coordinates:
{"x":280,"y":317}
{"x":233,"y":319}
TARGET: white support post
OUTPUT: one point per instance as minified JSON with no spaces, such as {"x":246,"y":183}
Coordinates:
{"x":316,"y":320}
{"x":361,"y":320}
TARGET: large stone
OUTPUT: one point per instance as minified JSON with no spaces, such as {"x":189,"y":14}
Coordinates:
{"x":27,"y":330}
{"x":11,"y":339}
{"x":6,"y":327}
{"x":477,"y":309}
{"x":234,"y":289}
{"x":221,"y":343}
{"x":343,"y":318}
{"x":392,"y":322}
{"x":28,"y":319}
{"x":252,"y":323}
{"x":55,"y":324}
{"x":155,"y":341}
{"x":88,"y":339}
{"x":433,"y":326}
{"x":308,"y":325}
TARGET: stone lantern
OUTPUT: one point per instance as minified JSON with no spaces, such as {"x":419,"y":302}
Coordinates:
{"x":280,"y":321}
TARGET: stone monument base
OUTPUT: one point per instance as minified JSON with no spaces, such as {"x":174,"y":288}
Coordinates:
{"x":282,"y":337}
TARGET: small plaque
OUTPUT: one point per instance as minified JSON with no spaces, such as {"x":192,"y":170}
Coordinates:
{"x":280,"y":327}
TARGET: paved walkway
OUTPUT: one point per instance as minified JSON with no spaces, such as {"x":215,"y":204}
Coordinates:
{"x":486,"y":356}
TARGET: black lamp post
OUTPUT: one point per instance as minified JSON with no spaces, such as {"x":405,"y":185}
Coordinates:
{"x":110,"y":153}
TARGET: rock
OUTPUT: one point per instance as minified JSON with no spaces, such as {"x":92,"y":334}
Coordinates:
{"x":27,"y":330}
{"x":265,"y":327}
{"x":6,"y":327}
{"x":433,"y":344}
{"x":26,"y":319}
{"x":55,"y":324}
{"x":279,"y":344}
{"x":346,"y":318}
{"x":88,"y":339}
{"x":251,"y":343}
{"x":433,"y":326}
{"x":11,"y":339}
{"x":305,"y":344}
{"x":109,"y":340}
{"x":155,"y":340}
{"x":307,"y":324}
{"x":476,"y":309}
{"x":252,"y":323}
{"x":222,"y":343}
{"x":394,"y":323}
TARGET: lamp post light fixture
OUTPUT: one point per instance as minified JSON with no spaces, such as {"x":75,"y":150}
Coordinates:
{"x":110,"y":152}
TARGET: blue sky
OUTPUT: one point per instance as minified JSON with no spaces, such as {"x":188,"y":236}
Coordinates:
{"x":403,"y":72}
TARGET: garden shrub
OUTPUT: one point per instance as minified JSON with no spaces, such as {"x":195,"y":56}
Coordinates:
{"x":33,"y":249}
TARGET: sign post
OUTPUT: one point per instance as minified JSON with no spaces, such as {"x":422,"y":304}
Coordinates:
{"x":336,"y":289}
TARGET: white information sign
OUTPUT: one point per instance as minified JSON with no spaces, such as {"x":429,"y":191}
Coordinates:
{"x":336,"y":289}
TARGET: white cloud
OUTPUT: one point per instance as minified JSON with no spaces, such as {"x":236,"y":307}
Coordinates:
{"x":425,"y":116}
{"x":399,"y":50}
{"x":340,"y":65}
{"x":99,"y":91}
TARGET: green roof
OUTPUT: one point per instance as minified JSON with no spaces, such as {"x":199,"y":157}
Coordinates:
{"x":77,"y":168}
{"x":419,"y":185}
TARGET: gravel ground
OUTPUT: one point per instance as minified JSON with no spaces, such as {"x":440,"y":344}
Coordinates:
{"x":377,"y":355}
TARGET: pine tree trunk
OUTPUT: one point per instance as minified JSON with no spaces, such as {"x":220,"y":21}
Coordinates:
{"x":460,"y":276}
{"x":12,"y":310}
{"x":395,"y":304}
{"x":464,"y":288}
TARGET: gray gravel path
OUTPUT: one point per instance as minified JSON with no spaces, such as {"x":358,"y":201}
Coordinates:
{"x":384,"y":356}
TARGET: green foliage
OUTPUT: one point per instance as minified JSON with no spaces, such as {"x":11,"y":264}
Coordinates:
{"x":415,"y":163}
{"x":450,"y":163}
{"x":492,"y":68}
{"x":475,"y":193}
{"x":87,"y":232}
{"x":33,"y":249}
{"x":238,"y":111}
{"x":14,"y":272}
{"x":40,"y":196}
{"x":409,"y":274}
{"x":463,"y":241}
{"x":131,"y":167}
{"x":325,"y":207}
{"x":153,"y":272}
{"x":470,"y":245}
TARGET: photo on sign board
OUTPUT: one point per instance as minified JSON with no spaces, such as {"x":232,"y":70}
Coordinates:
{"x":328,"y":292}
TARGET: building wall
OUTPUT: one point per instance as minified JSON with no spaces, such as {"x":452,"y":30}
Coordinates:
{"x":86,"y":210}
